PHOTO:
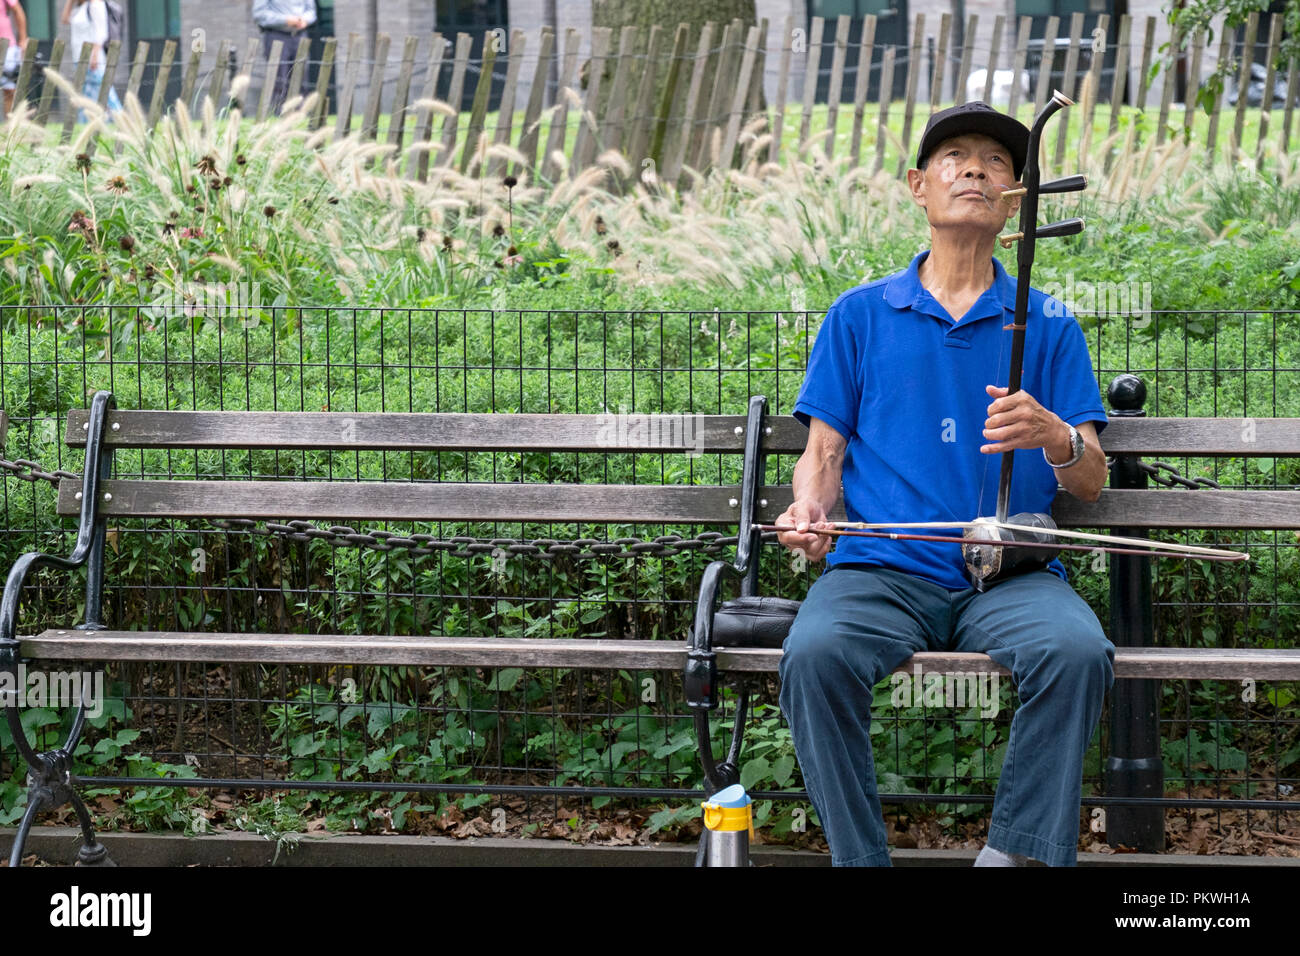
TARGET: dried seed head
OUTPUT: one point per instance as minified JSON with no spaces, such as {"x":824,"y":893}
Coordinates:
{"x":419,"y":234}
{"x":498,"y":230}
{"x":613,"y":247}
{"x":512,"y":251}
{"x":83,"y":162}
{"x":446,"y":242}
{"x":240,"y":160}
{"x":511,"y":182}
{"x":117,"y":185}
{"x":127,"y":243}
{"x":268,"y":212}
{"x":149,"y":270}
{"x":227,"y":181}
{"x":207,"y":165}
{"x":601,"y":228}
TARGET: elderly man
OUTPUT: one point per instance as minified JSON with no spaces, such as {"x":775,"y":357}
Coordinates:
{"x":286,"y":21}
{"x":904,"y":410}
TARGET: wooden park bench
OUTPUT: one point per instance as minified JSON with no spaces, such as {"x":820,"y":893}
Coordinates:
{"x":96,"y":498}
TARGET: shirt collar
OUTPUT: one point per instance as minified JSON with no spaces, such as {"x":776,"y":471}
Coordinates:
{"x":906,"y":292}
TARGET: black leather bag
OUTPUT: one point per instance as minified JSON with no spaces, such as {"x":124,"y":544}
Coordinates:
{"x":753,"y":622}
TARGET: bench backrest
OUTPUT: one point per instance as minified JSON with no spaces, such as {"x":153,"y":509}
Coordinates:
{"x":649,"y":503}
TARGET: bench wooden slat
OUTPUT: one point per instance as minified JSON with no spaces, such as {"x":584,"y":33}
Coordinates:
{"x":402,"y":431}
{"x":434,"y":651}
{"x":1180,"y":508}
{"x":405,"y":501}
{"x":1195,"y":437}
{"x":448,"y":431}
{"x":1123,"y":508}
{"x":624,"y":504}
{"x":1152,"y":437}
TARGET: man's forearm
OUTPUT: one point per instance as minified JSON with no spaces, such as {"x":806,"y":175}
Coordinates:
{"x":817,"y":477}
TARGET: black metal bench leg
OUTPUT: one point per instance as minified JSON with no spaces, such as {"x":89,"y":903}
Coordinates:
{"x":49,"y":786}
{"x":92,"y":852}
{"x":35,"y":803}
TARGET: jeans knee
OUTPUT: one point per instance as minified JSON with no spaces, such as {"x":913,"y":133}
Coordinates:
{"x":1084,"y":660}
{"x":810,"y":654}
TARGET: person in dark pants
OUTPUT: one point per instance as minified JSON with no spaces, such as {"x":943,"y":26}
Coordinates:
{"x":286,"y":21}
{"x":905,"y":413}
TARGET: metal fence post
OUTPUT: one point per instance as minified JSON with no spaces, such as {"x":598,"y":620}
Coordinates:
{"x":1135,"y":767}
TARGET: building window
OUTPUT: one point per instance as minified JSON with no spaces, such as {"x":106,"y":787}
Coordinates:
{"x":477,"y":18}
{"x":891,"y":30}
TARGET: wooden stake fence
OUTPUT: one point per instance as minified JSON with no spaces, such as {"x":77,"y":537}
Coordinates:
{"x":691,"y":98}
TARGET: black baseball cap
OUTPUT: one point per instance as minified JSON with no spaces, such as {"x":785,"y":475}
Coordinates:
{"x":976,"y":117}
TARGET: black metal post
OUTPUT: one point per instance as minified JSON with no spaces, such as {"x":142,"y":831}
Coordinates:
{"x":1135,"y":767}
{"x":103,"y":463}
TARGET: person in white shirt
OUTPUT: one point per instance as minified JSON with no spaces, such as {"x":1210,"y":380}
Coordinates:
{"x":286,"y":21}
{"x":89,"y":22}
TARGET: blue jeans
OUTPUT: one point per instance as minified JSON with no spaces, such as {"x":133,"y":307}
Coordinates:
{"x":90,"y":90}
{"x":857,"y":624}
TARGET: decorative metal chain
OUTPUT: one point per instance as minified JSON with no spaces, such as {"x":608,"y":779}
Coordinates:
{"x":421,"y":545}
{"x":1171,"y":477}
{"x":25,"y":470}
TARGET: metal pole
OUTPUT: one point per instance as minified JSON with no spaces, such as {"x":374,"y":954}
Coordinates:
{"x":1134,"y":767}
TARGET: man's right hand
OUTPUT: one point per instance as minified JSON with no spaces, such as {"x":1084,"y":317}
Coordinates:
{"x":803,"y":515}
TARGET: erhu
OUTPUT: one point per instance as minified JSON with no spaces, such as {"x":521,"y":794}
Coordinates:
{"x":986,"y":564}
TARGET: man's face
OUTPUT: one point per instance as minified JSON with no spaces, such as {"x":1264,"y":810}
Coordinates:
{"x":962,"y":184}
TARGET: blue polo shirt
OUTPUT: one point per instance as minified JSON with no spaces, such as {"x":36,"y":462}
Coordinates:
{"x":903,"y":382}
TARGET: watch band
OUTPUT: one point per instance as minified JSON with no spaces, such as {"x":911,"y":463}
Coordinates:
{"x":1077,"y":445}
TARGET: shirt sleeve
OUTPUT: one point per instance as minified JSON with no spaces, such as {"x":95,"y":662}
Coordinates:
{"x":831,"y":390}
{"x":309,"y":15}
{"x":1076,"y":396}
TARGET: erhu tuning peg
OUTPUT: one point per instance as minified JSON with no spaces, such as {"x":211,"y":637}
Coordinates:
{"x":1054,"y":230}
{"x":1066,"y":184}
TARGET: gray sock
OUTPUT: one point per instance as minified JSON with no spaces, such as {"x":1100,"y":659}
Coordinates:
{"x":991,"y":857}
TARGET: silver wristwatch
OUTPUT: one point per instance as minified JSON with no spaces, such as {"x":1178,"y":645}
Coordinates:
{"x":1077,"y":446}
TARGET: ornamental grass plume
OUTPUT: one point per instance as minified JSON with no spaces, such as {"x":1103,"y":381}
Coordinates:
{"x":345,"y":208}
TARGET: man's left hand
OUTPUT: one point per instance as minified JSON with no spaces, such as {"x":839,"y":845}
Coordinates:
{"x":1018,"y":421}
